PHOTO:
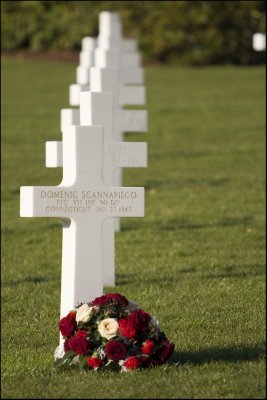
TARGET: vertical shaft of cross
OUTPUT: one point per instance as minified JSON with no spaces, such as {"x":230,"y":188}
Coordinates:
{"x":81,"y":263}
{"x":97,"y":109}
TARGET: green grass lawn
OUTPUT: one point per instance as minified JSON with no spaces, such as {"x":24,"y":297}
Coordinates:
{"x":196,"y":260}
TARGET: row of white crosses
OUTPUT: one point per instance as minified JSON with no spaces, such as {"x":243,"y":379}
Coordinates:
{"x":87,"y":200}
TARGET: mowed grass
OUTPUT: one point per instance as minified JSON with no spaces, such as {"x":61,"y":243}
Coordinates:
{"x":196,"y":260}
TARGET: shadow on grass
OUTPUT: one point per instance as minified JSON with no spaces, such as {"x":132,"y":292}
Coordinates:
{"x":28,"y":279}
{"x":237,"y":275}
{"x":125,"y":279}
{"x":178,"y":223}
{"x":181,"y":223}
{"x":189,"y":182}
{"x":238,"y":271}
{"x":227,"y":354}
{"x":232,"y":271}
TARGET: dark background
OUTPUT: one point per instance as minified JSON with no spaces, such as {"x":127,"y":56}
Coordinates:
{"x":180,"y":32}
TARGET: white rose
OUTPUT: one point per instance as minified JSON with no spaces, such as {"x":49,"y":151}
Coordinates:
{"x":108,"y":328}
{"x":84,"y":313}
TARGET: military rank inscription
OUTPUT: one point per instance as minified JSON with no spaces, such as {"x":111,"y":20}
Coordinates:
{"x":86,"y":201}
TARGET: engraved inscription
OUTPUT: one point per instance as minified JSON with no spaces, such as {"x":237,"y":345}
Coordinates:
{"x":120,"y":154}
{"x":87,"y":201}
{"x":115,"y":153}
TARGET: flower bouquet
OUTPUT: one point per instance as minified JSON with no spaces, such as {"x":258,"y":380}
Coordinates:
{"x":111,"y":332}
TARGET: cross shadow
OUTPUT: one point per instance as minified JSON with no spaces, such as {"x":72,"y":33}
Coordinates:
{"x":28,"y":279}
{"x":124,"y":279}
{"x":227,"y":354}
{"x":180,"y":223}
{"x":174,"y":224}
{"x":189,"y":182}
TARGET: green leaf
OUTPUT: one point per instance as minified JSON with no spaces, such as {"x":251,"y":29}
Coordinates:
{"x":66,"y":359}
{"x":83,"y":363}
{"x":113,"y":366}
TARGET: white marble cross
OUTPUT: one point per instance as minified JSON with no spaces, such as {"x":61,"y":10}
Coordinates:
{"x":83,"y":201}
{"x":110,"y":33}
{"x":86,"y":55}
{"x":107,"y":79}
{"x":96,"y":108}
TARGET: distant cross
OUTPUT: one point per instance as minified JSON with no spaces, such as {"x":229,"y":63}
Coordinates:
{"x":108,"y":79}
{"x":98,"y":109}
{"x":259,"y":41}
{"x":128,"y":78}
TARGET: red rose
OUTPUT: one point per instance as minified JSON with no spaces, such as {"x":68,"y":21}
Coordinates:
{"x":133,"y":363}
{"x":135,"y":324}
{"x":126,"y":329}
{"x":165,"y":351}
{"x":93,"y":362}
{"x":99,"y":301}
{"x":116,"y":350}
{"x":148,"y":347}
{"x":81,"y":333}
{"x":139,"y":320}
{"x":66,"y":346}
{"x":72,"y":314}
{"x":110,"y":298}
{"x":67,"y":325}
{"x":139,"y":362}
{"x":118,"y":299}
{"x":78,"y":344}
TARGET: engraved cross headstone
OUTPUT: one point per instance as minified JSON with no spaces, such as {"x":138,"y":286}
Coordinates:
{"x":83,"y":201}
{"x":96,"y":108}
